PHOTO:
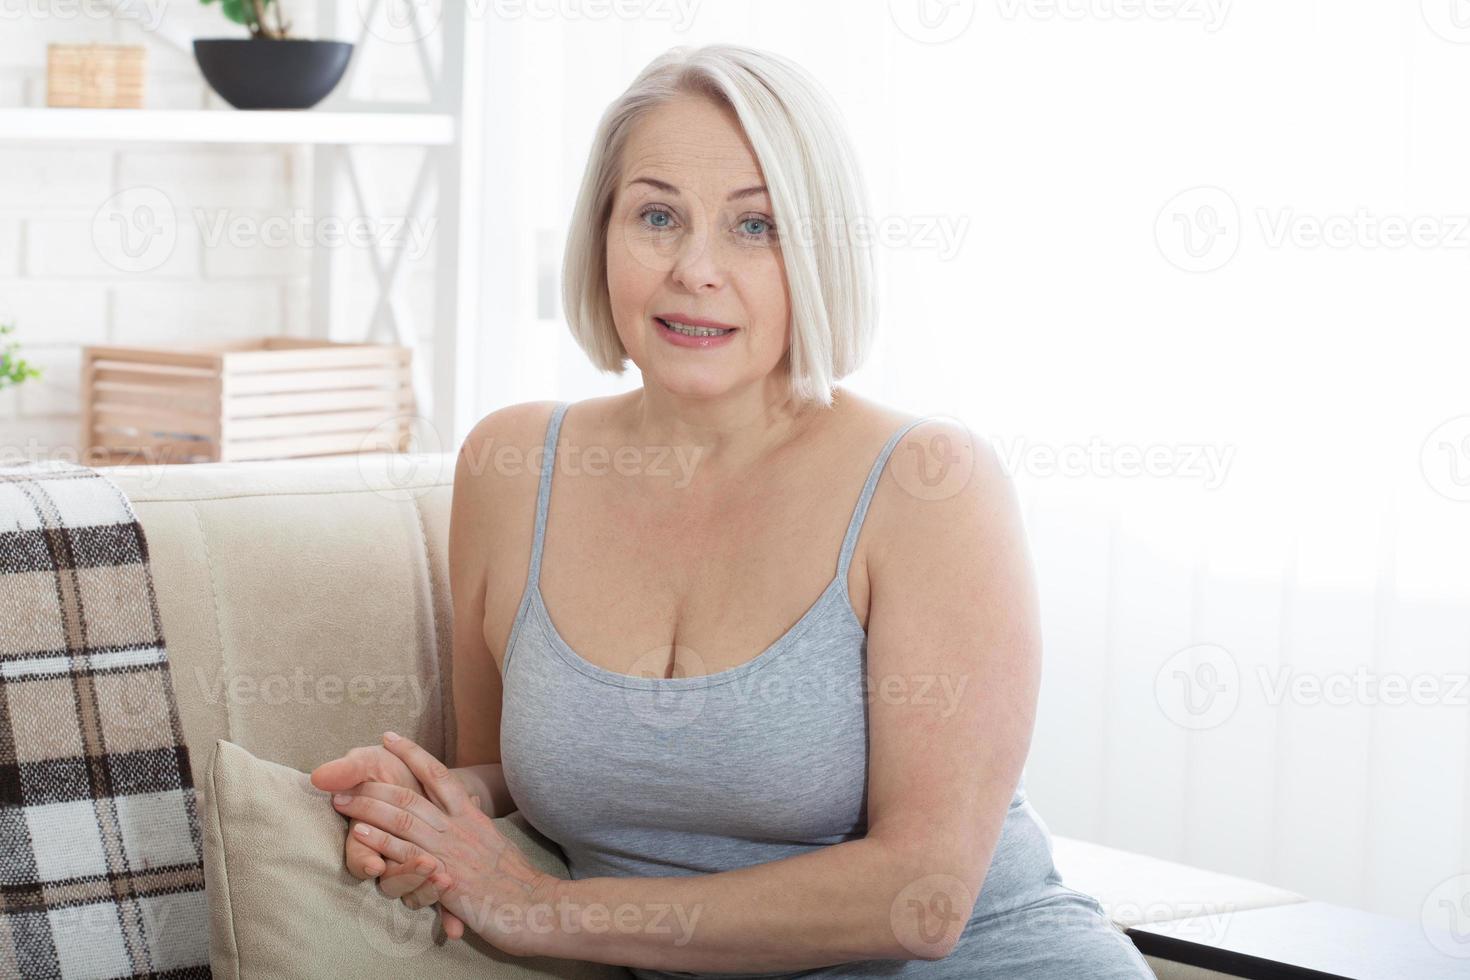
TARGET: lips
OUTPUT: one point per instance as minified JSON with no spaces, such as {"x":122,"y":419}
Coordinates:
{"x":693,"y":321}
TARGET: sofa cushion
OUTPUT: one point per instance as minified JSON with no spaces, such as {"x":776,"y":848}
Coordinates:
{"x":282,"y":904}
{"x":306,"y":602}
{"x":1134,"y":888}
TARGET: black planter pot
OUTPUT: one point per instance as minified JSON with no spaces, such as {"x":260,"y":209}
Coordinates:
{"x":260,"y":73}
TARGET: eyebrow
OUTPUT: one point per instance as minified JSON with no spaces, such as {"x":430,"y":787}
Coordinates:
{"x":671,"y":189}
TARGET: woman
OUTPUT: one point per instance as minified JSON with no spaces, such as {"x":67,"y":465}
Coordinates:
{"x":845,"y":799}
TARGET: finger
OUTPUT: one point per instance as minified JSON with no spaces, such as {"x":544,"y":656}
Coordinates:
{"x":343,"y":773}
{"x":391,"y":847}
{"x":425,"y":894}
{"x":362,"y":860}
{"x":410,"y":881}
{"x":420,"y":822}
{"x":404,"y":799}
{"x":441,"y":785}
{"x":453,"y":924}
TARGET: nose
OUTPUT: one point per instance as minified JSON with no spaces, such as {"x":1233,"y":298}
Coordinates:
{"x":697,"y":267}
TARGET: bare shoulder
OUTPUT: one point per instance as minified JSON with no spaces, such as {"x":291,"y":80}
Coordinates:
{"x":942,"y":482}
{"x":497,"y":469}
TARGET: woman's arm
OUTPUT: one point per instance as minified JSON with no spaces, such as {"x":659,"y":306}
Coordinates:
{"x":954,"y":672}
{"x":487,"y":781}
{"x":475,"y":677}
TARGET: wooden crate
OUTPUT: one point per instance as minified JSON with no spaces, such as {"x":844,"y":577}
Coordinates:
{"x":95,"y":76}
{"x":263,"y":398}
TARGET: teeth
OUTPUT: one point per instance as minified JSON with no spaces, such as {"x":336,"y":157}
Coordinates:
{"x":689,"y":331}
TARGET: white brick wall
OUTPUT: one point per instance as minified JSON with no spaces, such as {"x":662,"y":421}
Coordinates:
{"x":66,"y":275}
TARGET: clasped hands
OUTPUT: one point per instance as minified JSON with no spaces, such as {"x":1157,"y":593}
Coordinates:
{"x":443,"y":849}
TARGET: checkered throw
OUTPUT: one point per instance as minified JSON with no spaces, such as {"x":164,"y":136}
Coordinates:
{"x":101,"y":872}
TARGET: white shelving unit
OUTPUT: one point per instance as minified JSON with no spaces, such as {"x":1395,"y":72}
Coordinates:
{"x":219,"y":126}
{"x":449,"y":127}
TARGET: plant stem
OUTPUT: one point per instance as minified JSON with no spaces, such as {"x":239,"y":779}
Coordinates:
{"x":264,"y":24}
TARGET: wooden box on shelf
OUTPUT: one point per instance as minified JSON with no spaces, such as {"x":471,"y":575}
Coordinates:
{"x":95,"y":76}
{"x":262,"y":398}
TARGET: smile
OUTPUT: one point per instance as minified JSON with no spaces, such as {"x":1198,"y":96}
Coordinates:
{"x":687,"y":330}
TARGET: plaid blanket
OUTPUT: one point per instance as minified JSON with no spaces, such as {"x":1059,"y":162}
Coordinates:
{"x":101,"y":873}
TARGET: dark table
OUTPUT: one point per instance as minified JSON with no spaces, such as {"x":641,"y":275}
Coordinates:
{"x":1309,"y":941}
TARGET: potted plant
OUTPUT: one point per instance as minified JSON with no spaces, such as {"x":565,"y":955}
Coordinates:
{"x":13,"y":370}
{"x":269,"y":69}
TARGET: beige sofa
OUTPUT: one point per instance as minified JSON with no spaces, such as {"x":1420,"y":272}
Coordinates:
{"x":272,"y":576}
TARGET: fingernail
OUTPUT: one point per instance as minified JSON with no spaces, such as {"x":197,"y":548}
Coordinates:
{"x":342,"y":798}
{"x":391,"y":736}
{"x":360,"y":830}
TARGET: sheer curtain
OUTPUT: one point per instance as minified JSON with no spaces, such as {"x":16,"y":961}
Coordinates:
{"x":1197,"y":271}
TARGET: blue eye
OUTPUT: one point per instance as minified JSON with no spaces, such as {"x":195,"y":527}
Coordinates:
{"x":658,"y":213}
{"x":762,"y":223}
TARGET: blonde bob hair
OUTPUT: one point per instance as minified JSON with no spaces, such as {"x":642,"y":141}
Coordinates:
{"x":815,"y":185}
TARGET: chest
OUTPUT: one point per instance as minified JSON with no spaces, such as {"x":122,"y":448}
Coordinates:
{"x":658,"y":586}
{"x":774,"y":754}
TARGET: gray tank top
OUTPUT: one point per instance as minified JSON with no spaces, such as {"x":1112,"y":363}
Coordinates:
{"x":652,"y":776}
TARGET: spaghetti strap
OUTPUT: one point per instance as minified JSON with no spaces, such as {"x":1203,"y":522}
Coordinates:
{"x":849,"y":540}
{"x":855,"y":526}
{"x":543,"y":494}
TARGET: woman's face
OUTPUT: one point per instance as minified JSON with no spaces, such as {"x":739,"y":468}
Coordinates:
{"x":692,"y":238}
